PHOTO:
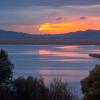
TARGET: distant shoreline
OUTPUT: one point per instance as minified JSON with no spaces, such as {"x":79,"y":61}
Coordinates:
{"x":46,"y":42}
{"x":95,"y":55}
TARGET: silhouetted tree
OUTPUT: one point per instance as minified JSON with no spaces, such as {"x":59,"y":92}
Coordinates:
{"x":35,"y":89}
{"x":5,"y":75}
{"x":91,"y":85}
{"x":60,"y":91}
{"x":5,"y":67}
{"x":30,"y":89}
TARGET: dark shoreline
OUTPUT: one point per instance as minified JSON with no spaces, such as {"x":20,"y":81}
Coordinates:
{"x":46,"y":42}
{"x":95,"y":55}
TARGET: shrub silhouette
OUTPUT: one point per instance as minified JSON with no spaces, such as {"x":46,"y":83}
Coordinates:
{"x":34,"y":89}
{"x":91,"y":85}
{"x":59,"y":91}
{"x":30,"y":89}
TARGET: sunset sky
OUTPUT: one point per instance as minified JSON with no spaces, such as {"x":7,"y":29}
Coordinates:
{"x":49,"y":16}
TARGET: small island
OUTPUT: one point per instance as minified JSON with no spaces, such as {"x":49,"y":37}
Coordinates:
{"x":96,"y":55}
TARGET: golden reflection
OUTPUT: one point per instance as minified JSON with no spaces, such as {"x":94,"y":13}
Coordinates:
{"x":44,"y":52}
{"x":68,"y":47}
{"x":62,"y":53}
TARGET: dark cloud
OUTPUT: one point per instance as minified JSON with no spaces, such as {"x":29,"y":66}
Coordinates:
{"x":83,"y":18}
{"x":15,"y":4}
{"x":59,"y":18}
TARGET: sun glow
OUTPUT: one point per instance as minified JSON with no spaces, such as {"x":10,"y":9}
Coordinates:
{"x":57,"y":28}
{"x":69,"y":26}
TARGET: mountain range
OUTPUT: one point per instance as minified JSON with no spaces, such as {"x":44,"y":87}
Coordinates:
{"x":88,"y":34}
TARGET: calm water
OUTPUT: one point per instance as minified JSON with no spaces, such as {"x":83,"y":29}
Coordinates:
{"x":70,"y":63}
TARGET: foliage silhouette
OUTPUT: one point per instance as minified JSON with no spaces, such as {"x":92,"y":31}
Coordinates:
{"x":5,"y":67}
{"x":91,"y":85}
{"x":59,"y":91}
{"x":5,"y":75}
{"x":30,"y":89}
{"x":34,"y":89}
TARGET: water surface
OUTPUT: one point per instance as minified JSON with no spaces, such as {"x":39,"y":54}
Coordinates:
{"x":70,"y":63}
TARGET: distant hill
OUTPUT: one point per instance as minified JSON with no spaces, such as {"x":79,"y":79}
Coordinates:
{"x":89,"y":34}
{"x":13,"y":35}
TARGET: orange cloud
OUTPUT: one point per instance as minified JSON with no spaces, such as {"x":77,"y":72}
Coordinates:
{"x":72,"y":26}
